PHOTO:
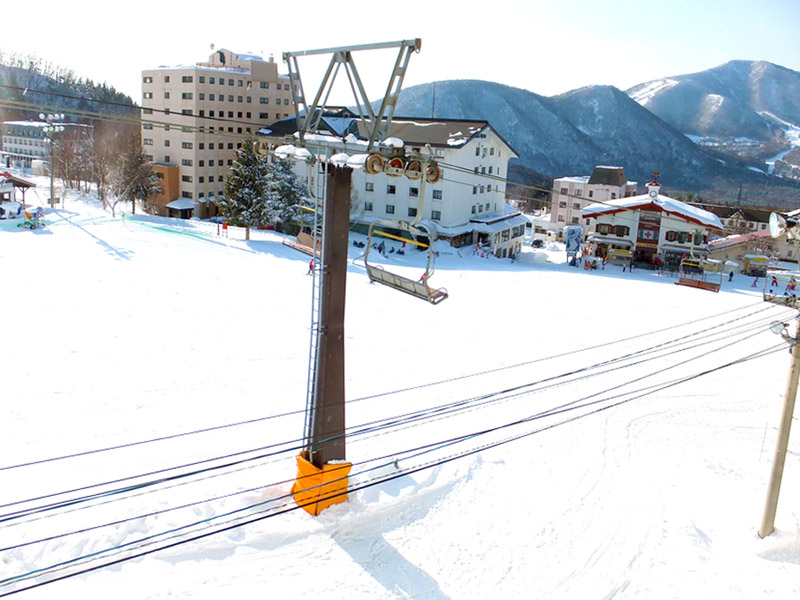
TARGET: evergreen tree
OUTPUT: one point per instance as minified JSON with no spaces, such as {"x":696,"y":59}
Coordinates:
{"x":260,"y":192}
{"x":244,"y":204}
{"x":285,"y":193}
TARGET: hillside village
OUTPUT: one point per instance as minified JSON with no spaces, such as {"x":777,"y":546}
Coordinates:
{"x":195,"y":118}
{"x":165,"y":268}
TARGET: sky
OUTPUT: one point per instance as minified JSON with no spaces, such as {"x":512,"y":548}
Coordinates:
{"x":545,"y":46}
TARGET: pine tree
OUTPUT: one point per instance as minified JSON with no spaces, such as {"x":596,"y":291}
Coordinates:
{"x":244,"y":204}
{"x":260,"y":193}
{"x":285,"y":193}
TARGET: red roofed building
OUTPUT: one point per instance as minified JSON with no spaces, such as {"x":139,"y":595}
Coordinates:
{"x":651,"y":228}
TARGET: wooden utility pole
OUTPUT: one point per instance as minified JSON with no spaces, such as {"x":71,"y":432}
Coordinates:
{"x":771,"y":507}
{"x":327,"y":441}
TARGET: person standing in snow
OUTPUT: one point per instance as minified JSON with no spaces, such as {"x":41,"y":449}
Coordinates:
{"x":310,"y":267}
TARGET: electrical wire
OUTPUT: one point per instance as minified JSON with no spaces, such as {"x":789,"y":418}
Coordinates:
{"x":381,"y":394}
{"x":377,"y":481}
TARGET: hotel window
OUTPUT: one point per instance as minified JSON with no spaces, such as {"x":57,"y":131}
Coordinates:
{"x":186,"y":194}
{"x":211,"y":80}
{"x":437,"y":194}
{"x":230,"y":81}
{"x":187,"y":79}
{"x":186,"y":162}
{"x":148,"y":95}
{"x":265,"y":85}
{"x":390,"y":209}
{"x":202,"y":79}
{"x":147,"y":142}
{"x":413,"y":192}
{"x":166,"y":78}
{"x":436,"y":215}
{"x":368,"y":206}
{"x":579,"y":193}
{"x":576,"y":205}
{"x":201,"y":96}
{"x":370,"y":187}
{"x":186,"y":145}
{"x":564,"y":190}
{"x":263,"y":100}
{"x":412,"y":212}
{"x":147,"y":80}
{"x":390,"y":189}
{"x":186,"y":178}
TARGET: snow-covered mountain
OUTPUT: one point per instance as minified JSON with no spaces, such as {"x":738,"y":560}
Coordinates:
{"x":740,"y":99}
{"x":571,"y":133}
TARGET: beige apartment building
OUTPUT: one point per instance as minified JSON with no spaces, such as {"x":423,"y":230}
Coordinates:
{"x":195,"y":117}
{"x":572,"y":194}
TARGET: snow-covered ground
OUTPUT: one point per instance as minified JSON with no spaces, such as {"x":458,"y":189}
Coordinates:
{"x":600,"y":451}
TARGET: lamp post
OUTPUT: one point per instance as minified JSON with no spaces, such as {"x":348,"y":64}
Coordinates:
{"x":51,"y":129}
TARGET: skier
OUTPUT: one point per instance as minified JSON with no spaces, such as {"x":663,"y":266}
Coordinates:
{"x":755,"y":282}
{"x":310,"y":267}
{"x":730,"y":276}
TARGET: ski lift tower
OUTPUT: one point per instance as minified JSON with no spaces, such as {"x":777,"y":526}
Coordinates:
{"x":322,"y":467}
{"x":780,"y":224}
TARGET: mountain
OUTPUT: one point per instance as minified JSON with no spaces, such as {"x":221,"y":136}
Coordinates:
{"x":527,"y":121}
{"x":740,"y":99}
{"x":572,"y":133}
{"x":31,"y":89}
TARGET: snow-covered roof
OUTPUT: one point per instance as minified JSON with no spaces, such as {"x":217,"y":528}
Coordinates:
{"x":661,"y":203}
{"x":181,"y":204}
{"x":498,"y":224}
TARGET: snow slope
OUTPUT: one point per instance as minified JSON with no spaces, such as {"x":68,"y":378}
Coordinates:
{"x":117,"y":331}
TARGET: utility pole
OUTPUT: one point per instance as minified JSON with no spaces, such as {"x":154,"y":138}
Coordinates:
{"x":51,"y":129}
{"x":771,"y":506}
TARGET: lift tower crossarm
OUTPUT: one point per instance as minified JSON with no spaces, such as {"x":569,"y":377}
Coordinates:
{"x":376,"y":124}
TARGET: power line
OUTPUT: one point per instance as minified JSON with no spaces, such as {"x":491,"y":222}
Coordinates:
{"x":282,"y":510}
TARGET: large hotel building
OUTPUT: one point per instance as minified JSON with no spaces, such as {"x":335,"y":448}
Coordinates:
{"x":195,"y":117}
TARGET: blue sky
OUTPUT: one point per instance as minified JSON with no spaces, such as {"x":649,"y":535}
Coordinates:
{"x":545,"y":46}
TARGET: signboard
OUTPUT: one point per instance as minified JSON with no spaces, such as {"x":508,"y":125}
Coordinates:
{"x":573,"y":234}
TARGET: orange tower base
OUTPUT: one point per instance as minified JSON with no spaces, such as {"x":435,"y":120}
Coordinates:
{"x":316,"y":489}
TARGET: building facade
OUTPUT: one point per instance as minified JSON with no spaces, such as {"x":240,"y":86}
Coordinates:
{"x":650,"y":228}
{"x":572,"y":194}
{"x":24,"y":142}
{"x":195,"y":117}
{"x":466,"y":206}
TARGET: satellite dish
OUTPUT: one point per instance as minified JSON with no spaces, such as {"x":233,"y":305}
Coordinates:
{"x":780,"y":224}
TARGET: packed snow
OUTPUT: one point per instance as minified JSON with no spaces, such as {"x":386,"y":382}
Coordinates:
{"x":598,"y":448}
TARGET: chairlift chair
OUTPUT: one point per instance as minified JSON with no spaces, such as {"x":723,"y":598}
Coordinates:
{"x":700,"y":273}
{"x":418,"y":288}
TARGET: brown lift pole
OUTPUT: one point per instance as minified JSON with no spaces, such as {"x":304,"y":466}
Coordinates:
{"x":322,"y":470}
{"x":326,"y":439}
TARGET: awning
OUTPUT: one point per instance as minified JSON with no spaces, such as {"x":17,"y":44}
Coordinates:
{"x":182,"y":204}
{"x":495,"y":226}
{"x":687,"y":250}
{"x":597,"y":239}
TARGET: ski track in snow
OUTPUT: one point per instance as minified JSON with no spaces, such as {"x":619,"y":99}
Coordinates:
{"x":151,"y":332}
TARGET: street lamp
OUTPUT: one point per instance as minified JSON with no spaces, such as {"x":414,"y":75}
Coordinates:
{"x":51,"y":129}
